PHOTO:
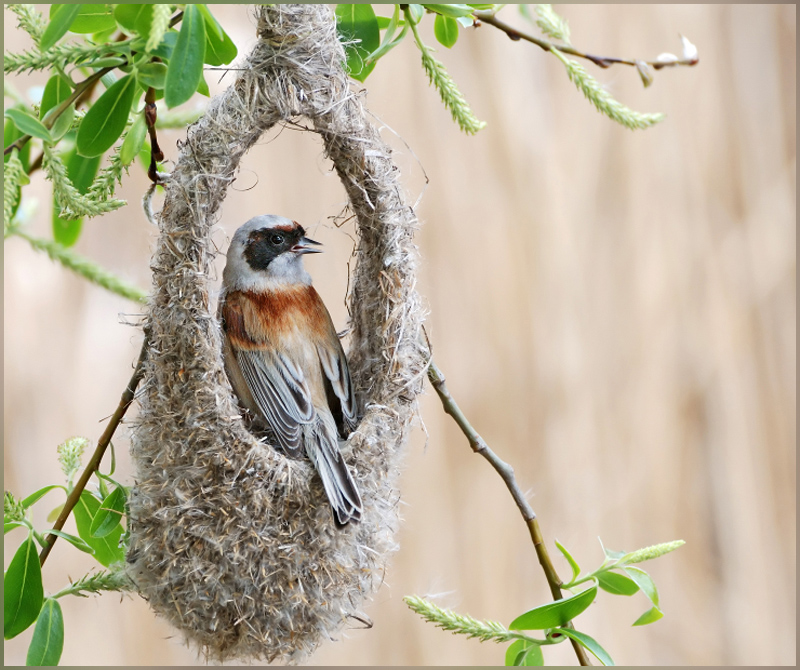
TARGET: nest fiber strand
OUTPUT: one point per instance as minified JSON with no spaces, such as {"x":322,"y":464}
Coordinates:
{"x":229,"y":540}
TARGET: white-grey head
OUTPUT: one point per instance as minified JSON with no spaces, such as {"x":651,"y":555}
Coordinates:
{"x":266,"y":252}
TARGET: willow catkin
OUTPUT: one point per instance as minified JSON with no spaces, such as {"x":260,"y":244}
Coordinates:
{"x":229,"y":540}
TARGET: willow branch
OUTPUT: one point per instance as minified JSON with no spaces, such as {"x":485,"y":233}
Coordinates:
{"x":506,"y":472}
{"x":81,"y":93}
{"x":601,"y":61}
{"x":100,"y":450}
{"x":86,"y":85}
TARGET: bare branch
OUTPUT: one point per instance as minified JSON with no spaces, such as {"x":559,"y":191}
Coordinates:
{"x":506,"y":472}
{"x":100,"y":450}
{"x":601,"y":61}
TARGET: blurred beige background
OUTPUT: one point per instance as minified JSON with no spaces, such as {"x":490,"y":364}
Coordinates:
{"x":614,"y":311}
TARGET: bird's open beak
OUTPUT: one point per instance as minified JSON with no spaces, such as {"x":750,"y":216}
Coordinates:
{"x":304,"y":246}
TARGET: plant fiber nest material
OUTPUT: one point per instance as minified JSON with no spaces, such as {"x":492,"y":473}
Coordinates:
{"x":229,"y":540}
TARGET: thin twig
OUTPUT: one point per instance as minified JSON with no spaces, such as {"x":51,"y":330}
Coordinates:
{"x":100,"y":450}
{"x":506,"y":472}
{"x":477,"y":443}
{"x":601,"y":61}
{"x":36,"y":164}
{"x":151,"y":116}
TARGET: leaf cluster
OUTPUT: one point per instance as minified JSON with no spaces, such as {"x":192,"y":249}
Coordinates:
{"x":360,"y":31}
{"x":99,"y":518}
{"x":128,"y":56}
{"x":617,"y":575}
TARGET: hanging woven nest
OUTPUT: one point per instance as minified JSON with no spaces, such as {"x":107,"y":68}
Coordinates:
{"x":230,"y":540}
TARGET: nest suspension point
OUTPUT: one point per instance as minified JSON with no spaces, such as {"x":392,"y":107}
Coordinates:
{"x":229,"y":540}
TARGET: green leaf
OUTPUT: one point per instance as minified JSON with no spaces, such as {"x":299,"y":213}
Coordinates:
{"x":81,"y":172}
{"x":576,"y":570}
{"x":219,"y":50}
{"x":133,"y":140}
{"x":358,"y":28}
{"x":445,"y":29}
{"x":556,"y":613}
{"x":164,"y":49}
{"x":48,"y":636}
{"x":144,"y":157}
{"x":38,"y":495}
{"x":102,"y":489}
{"x":63,"y":123}
{"x":389,"y":41}
{"x":135,"y":18}
{"x":202,"y":87}
{"x":650,"y":616}
{"x":61,"y":18}
{"x":212,"y":25}
{"x":110,"y":513}
{"x":533,"y":656}
{"x":22,"y":590}
{"x":453,"y":11}
{"x":28,"y":124}
{"x":77,"y":542}
{"x":51,"y":518}
{"x":106,"y":549}
{"x":618,"y":584}
{"x":11,"y":134}
{"x":384,"y":21}
{"x":645,"y":582}
{"x":105,"y":121}
{"x":152,"y":74}
{"x":186,"y":64}
{"x":524,"y":653}
{"x":93,"y":19}
{"x":103,"y":36}
{"x":515,"y":650}
{"x":589,"y":643}
{"x":57,"y":89}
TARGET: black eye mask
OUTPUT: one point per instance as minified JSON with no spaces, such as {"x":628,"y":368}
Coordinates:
{"x":264,"y":245}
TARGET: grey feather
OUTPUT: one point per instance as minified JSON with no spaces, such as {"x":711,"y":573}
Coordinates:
{"x":281,"y":394}
{"x":323,"y":450}
{"x":338,"y":376}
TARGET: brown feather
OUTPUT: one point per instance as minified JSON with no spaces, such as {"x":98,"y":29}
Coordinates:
{"x":271,"y":317}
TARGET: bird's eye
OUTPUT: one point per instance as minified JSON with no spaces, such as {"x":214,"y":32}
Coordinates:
{"x":276,"y":239}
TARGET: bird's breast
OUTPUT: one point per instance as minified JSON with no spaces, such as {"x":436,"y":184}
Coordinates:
{"x":282,"y":318}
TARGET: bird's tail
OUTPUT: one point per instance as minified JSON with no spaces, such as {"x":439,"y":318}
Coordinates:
{"x":322,"y":446}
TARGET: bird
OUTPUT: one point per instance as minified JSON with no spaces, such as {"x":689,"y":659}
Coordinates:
{"x":283,"y":357}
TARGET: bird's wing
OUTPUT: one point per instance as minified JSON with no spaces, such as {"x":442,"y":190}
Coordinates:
{"x":337,"y":376}
{"x":281,"y":391}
